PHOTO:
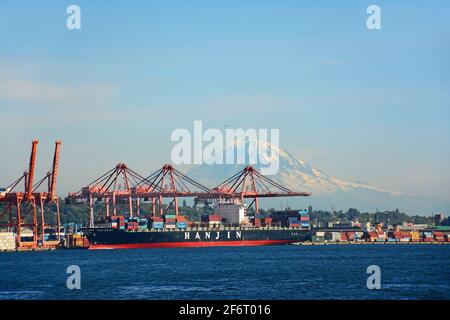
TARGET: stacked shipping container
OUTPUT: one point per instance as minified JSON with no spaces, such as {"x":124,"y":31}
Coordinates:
{"x":77,"y":241}
{"x":118,"y":222}
{"x":381,"y":236}
{"x":427,"y":236}
{"x":439,"y":237}
{"x":157,"y":223}
{"x":304,"y":218}
{"x":170,"y":221}
{"x":266,"y":221}
{"x":181,"y":222}
{"x":293,"y":222}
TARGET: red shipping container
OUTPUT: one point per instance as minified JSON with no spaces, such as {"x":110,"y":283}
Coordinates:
{"x":438,"y":234}
{"x":214,"y":217}
{"x":343,"y":237}
{"x":398,"y":235}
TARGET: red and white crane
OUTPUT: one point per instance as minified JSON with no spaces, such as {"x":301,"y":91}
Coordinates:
{"x":169,"y":182}
{"x":21,"y":206}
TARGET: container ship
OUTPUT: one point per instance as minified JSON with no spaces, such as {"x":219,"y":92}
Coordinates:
{"x":229,"y":226}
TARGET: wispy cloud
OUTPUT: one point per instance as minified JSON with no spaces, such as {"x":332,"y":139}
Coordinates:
{"x":51,"y":95}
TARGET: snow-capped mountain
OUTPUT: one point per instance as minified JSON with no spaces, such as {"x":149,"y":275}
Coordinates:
{"x":327,"y":191}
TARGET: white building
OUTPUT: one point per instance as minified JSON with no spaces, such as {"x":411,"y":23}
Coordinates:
{"x":232,"y":212}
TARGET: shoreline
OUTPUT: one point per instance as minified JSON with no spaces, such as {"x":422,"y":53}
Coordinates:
{"x":367,"y":243}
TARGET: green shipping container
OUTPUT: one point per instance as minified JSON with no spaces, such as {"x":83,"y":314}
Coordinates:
{"x":442,"y":228}
{"x":317,"y":239}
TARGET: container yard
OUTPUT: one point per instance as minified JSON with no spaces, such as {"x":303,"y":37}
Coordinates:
{"x":380,"y":237}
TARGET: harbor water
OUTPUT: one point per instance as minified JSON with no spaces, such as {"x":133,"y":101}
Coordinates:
{"x":273,"y":272}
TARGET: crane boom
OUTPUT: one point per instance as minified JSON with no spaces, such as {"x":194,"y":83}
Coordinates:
{"x":29,"y":184}
{"x":54,"y":170}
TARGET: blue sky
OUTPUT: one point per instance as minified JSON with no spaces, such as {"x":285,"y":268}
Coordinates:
{"x":361,"y":105}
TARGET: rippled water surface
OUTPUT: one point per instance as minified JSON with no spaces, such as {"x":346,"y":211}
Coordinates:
{"x":275,"y":272}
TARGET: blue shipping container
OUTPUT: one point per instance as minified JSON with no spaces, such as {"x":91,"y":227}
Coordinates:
{"x":181,"y":225}
{"x":304,"y":224}
{"x":158,"y":224}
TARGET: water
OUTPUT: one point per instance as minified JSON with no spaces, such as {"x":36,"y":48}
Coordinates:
{"x":276,"y":272}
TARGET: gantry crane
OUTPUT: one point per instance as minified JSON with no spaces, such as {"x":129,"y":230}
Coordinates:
{"x":49,"y":197}
{"x":249,"y":183}
{"x":113,"y":186}
{"x":24,"y":202}
{"x":168,"y":182}
{"x":16,"y":199}
{"x":124,"y":185}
